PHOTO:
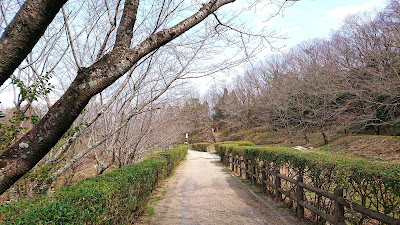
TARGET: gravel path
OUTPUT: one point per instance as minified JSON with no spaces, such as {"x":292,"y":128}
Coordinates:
{"x":203,"y":192}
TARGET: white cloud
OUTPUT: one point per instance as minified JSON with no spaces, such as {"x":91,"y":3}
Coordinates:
{"x":341,"y":12}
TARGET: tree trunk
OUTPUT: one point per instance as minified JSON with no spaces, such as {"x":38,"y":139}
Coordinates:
{"x":68,"y":181}
{"x":24,"y":31}
{"x":325,"y":138}
{"x":289,"y":134}
{"x":101,"y":166}
{"x":305,"y":136}
{"x":377,"y":129}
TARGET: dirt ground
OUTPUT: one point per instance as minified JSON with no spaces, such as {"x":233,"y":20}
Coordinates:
{"x":204,"y":192}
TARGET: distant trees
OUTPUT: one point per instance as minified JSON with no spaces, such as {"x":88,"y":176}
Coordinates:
{"x":369,"y":50}
{"x":350,"y":80}
{"x":194,"y":118}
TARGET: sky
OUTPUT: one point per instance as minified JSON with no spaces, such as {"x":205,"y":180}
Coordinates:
{"x":306,"y":19}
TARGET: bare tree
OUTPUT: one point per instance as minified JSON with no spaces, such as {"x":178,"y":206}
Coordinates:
{"x":370,"y":62}
{"x":194,"y":118}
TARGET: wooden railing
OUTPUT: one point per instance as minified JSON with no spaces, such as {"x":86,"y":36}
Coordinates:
{"x":258,"y":174}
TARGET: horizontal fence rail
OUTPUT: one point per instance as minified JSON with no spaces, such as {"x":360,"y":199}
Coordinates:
{"x":257,"y":174}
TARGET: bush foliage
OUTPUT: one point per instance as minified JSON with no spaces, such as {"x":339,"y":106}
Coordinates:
{"x":117,"y":197}
{"x":202,"y":146}
{"x":371,"y":184}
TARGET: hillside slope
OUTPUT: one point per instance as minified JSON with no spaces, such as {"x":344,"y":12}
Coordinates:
{"x":371,"y":147}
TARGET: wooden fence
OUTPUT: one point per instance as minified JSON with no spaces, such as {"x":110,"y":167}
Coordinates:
{"x":257,"y":174}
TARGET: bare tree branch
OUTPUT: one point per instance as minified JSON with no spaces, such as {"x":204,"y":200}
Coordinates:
{"x":125,"y":28}
{"x":70,"y":38}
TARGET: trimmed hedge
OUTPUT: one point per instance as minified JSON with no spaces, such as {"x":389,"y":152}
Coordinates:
{"x":374,"y":185}
{"x":225,"y":148}
{"x":202,"y":146}
{"x":117,"y":197}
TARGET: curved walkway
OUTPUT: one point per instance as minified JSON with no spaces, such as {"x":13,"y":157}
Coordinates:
{"x":203,"y":192}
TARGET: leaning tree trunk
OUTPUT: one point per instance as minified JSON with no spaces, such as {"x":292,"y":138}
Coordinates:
{"x":32,"y":147}
{"x":24,"y":31}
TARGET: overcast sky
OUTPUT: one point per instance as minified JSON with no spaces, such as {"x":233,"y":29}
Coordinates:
{"x":309,"y":19}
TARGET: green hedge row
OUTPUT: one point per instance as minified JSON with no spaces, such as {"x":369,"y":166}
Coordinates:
{"x":374,"y":185}
{"x":117,"y":197}
{"x":202,"y":146}
{"x":225,"y":148}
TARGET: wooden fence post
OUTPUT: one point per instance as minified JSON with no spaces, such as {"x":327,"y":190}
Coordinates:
{"x":231,"y":162}
{"x":263,"y":177}
{"x":339,"y":209}
{"x":240,"y":165}
{"x":254,"y":171}
{"x":299,"y":197}
{"x":246,"y":168}
{"x":236,"y":163}
{"x":278,"y":195}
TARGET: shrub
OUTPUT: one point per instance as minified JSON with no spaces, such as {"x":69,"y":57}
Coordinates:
{"x":114,"y":198}
{"x":203,"y":146}
{"x":245,"y":143}
{"x":371,"y":184}
{"x":225,"y":148}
